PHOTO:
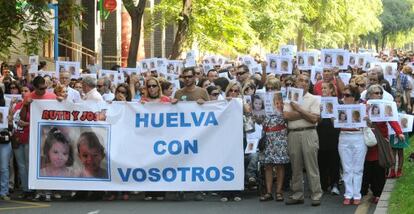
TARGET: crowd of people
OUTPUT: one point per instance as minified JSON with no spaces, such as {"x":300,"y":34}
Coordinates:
{"x":297,"y":139}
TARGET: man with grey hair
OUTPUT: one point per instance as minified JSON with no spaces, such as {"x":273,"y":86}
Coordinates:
{"x":89,"y":88}
{"x":64,"y":79}
{"x":104,"y":87}
{"x":374,"y":77}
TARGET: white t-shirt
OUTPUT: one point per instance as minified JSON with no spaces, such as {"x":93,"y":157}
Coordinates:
{"x":385,"y":96}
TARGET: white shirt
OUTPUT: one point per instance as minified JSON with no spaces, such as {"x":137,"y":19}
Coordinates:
{"x":108,"y":96}
{"x":93,"y":95}
{"x":73,"y":95}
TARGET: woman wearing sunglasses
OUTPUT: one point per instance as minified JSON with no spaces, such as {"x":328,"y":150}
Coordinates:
{"x":153,"y":92}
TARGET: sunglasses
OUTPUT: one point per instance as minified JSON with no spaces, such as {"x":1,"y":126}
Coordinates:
{"x":233,"y":91}
{"x":152,"y":86}
{"x":347,"y":95}
{"x":361,"y":85}
{"x":270,"y":88}
{"x":241,"y":73}
{"x":197,"y":73}
{"x":378,"y":92}
{"x":188,"y":77}
{"x":42,"y":89}
{"x":215,"y":94}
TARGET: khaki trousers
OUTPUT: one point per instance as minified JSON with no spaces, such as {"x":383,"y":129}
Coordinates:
{"x":303,"y":151}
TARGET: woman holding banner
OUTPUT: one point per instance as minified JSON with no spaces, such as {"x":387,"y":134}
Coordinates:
{"x":352,"y":150}
{"x":328,"y":156}
{"x":374,"y":174}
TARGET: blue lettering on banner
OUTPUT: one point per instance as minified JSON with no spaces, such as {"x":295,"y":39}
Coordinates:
{"x":175,"y":147}
{"x":180,"y":174}
{"x":173,"y":119}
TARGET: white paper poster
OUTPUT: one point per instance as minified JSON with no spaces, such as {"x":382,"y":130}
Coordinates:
{"x":350,"y":116}
{"x":328,"y":104}
{"x":382,"y":110}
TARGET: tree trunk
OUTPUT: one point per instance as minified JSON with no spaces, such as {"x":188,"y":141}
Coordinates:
{"x":183,"y":28}
{"x":299,"y":40}
{"x":384,"y":41}
{"x":136,"y":13}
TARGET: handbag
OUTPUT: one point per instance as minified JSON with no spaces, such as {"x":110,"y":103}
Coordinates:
{"x":369,"y":137}
{"x":385,"y":155}
{"x":4,"y":137}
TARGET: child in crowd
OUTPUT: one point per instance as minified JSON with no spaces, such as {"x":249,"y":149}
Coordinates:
{"x":398,"y":145}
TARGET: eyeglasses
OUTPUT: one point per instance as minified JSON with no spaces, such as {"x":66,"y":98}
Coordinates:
{"x":188,"y":77}
{"x":234,"y":91}
{"x":378,"y":92}
{"x":362,"y":85}
{"x":215,"y":94}
{"x":152,"y":86}
{"x":347,"y":95}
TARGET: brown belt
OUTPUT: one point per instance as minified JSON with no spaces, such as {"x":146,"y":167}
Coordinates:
{"x":302,"y":129}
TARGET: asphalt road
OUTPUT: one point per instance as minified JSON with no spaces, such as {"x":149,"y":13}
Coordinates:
{"x":212,"y":204}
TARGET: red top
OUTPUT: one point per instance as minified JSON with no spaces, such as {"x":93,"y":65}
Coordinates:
{"x":317,"y":89}
{"x":21,"y":132}
{"x":163,"y":99}
{"x":372,"y":154}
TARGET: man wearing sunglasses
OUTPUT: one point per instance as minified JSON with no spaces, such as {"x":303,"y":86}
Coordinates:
{"x":191,"y":92}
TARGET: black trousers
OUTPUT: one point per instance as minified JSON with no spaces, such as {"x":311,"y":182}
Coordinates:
{"x":329,"y":164}
{"x":373,"y":178}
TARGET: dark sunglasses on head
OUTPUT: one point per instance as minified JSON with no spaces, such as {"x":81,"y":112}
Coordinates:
{"x":152,"y":86}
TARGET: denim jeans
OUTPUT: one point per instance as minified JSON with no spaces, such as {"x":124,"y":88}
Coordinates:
{"x":250,"y":162}
{"x":22,"y":159}
{"x":5,"y":152}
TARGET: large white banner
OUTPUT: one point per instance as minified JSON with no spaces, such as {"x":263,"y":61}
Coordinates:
{"x":136,"y":147}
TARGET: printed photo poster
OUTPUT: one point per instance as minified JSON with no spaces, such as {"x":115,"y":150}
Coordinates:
{"x":341,"y":59}
{"x":148,"y":65}
{"x":161,"y":65}
{"x":10,"y":97}
{"x":306,"y":60}
{"x":288,"y":50}
{"x":272,"y":62}
{"x":327,"y":57}
{"x":390,"y":71}
{"x":250,"y":62}
{"x":327,"y":106}
{"x":258,"y":104}
{"x":72,"y":67}
{"x":114,"y":76}
{"x":294,"y":95}
{"x":269,"y":106}
{"x":353,"y":58}
{"x":360,"y":60}
{"x":285,"y":65}
{"x":190,"y":59}
{"x":368,"y":59}
{"x":52,"y":74}
{"x":316,"y":74}
{"x":33,"y":64}
{"x":88,"y":75}
{"x":174,"y":67}
{"x":256,"y":68}
{"x":350,"y":116}
{"x":406,"y":122}
{"x":382,"y":110}
{"x":251,"y":147}
{"x":345,"y":77}
{"x":4,"y":112}
{"x":130,"y":71}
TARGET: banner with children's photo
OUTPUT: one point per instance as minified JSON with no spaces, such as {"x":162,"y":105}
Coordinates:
{"x":136,"y":147}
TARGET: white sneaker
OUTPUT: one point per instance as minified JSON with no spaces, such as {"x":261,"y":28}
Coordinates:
{"x":48,"y":198}
{"x":237,"y":198}
{"x":335,"y":191}
{"x":37,"y":197}
{"x":57,"y":196}
{"x":224,"y":199}
{"x":148,"y":198}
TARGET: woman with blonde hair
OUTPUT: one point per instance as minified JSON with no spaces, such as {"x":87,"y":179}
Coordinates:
{"x":153,"y":92}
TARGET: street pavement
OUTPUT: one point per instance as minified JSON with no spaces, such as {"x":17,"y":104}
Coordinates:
{"x":212,"y":204}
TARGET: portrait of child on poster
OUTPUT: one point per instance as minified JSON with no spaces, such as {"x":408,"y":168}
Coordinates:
{"x":327,"y":106}
{"x":382,"y":110}
{"x":350,"y":116}
{"x":294,"y":95}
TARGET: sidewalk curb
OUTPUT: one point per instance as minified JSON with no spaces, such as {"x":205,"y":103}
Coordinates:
{"x":382,"y":206}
